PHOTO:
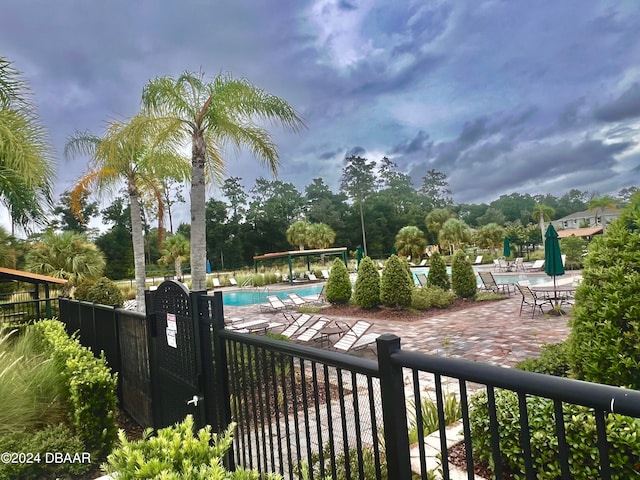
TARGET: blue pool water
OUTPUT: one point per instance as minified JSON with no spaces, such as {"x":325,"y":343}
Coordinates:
{"x":512,"y":278}
{"x":248,"y":297}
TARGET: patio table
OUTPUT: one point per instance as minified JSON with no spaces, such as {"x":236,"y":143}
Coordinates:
{"x":559,"y":294}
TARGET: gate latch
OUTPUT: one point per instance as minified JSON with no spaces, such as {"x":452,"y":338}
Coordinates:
{"x":194,"y":401}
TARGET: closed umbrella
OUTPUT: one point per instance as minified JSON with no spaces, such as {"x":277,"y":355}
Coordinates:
{"x":552,"y":257}
{"x":506,"y":247}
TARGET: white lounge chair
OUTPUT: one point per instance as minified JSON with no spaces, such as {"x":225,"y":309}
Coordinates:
{"x":216,"y":282}
{"x":313,"y":330}
{"x":536,"y":266}
{"x":233,"y":282}
{"x":355,"y":337}
{"x":325,"y":274}
{"x":297,"y":325}
{"x":296,"y":299}
{"x":273,"y":304}
{"x":312,"y":276}
{"x":478,"y":260}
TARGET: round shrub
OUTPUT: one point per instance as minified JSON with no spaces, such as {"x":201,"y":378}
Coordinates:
{"x":367,"y":290}
{"x":396,"y":283}
{"x":463,"y":278}
{"x":554,"y":360}
{"x":338,"y":289}
{"x":81,"y":292}
{"x":605,"y":337}
{"x":431,"y":297}
{"x":622,"y":435}
{"x":105,"y":292}
{"x":438,"y":276}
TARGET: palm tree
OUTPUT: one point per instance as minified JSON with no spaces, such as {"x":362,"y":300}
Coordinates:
{"x":8,"y":249}
{"x":410,"y":240}
{"x":298,"y":233}
{"x":212,"y":115}
{"x":598,"y":205}
{"x":26,"y":165}
{"x":68,"y":255}
{"x":542,"y":213}
{"x":175,"y":249}
{"x":320,"y":235}
{"x":454,"y":233}
{"x":124,"y":154}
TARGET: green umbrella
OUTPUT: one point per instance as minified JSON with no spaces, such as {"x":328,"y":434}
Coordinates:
{"x":552,"y":256}
{"x":359,"y":255}
{"x":506,"y":248}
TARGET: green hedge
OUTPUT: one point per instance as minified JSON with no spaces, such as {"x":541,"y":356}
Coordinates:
{"x":623,"y":434}
{"x":338,"y":288}
{"x":463,"y":278}
{"x":367,"y":289}
{"x":92,"y":387}
{"x":396,"y":283}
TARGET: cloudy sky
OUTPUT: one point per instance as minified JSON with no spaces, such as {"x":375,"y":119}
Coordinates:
{"x":501,"y":96}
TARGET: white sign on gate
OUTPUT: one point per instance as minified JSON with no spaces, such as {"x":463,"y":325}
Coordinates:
{"x":172,"y":330}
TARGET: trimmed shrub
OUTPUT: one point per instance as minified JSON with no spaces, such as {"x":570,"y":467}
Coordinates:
{"x":105,"y":292}
{"x":554,"y":360}
{"x":367,"y":289}
{"x":580,"y":425}
{"x":438,"y":276}
{"x":604,"y":341}
{"x":81,"y":292}
{"x":431,"y":297}
{"x":463,"y":278}
{"x":396,"y":283}
{"x":338,"y":289}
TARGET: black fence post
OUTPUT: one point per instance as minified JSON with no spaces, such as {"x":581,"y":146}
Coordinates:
{"x":394,"y":409}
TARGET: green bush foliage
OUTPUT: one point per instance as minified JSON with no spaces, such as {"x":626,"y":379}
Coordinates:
{"x":81,"y":291}
{"x":338,"y":288}
{"x":463,"y":278}
{"x":429,"y":412}
{"x":573,"y":247}
{"x":396,"y":283}
{"x":105,"y":292}
{"x":367,"y":289}
{"x":431,"y":297}
{"x":605,"y":337}
{"x":438,"y":276}
{"x":51,"y":438}
{"x":177,"y":453}
{"x":554,"y":359}
{"x":91,"y":387}
{"x":623,"y":434}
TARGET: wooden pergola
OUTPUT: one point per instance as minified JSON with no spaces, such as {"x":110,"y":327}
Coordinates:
{"x":35,"y":279}
{"x":342,"y":251}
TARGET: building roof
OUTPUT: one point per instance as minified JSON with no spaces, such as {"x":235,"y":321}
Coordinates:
{"x":589,"y":214}
{"x":579,"y":232}
{"x":10,"y":275}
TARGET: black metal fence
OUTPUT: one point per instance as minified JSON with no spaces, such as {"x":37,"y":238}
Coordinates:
{"x":28,"y":310}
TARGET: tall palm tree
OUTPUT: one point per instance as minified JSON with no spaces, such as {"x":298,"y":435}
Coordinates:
{"x":410,"y":240}
{"x":68,"y":255}
{"x":124,"y":154}
{"x":298,"y":234}
{"x":26,"y":164}
{"x":598,"y":205}
{"x":542,"y":213}
{"x":212,"y":115}
{"x":175,"y":249}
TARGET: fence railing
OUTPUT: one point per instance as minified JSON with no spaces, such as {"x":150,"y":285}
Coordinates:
{"x":28,"y":310}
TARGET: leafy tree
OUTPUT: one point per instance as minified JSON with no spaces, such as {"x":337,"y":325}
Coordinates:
{"x":359,"y":182}
{"x":470,"y":213}
{"x":9,"y":250}
{"x":172,"y":194}
{"x":213,"y":114}
{"x":435,"y":191}
{"x":542,"y":213}
{"x":515,"y":206}
{"x":323,"y":206}
{"x":573,"y":247}
{"x":396,"y":283}
{"x":410,"y":241}
{"x":298,"y":234}
{"x":397,"y":188}
{"x":116,"y":243}
{"x":124,"y":153}
{"x":320,"y":235}
{"x":454,"y":233}
{"x":519,"y":235}
{"x":435,"y":219}
{"x":26,"y":165}
{"x":625,"y":194}
{"x":463,"y":278}
{"x":438,"y":276}
{"x":367,"y":288}
{"x":572,"y":201}
{"x":67,"y":255}
{"x":490,"y":236}
{"x":232,"y":189}
{"x":67,"y":220}
{"x":175,"y":249}
{"x":338,"y":288}
{"x":598,"y":206}
{"x":491,"y":215}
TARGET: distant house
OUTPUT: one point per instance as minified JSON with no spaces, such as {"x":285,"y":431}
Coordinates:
{"x":578,"y":220}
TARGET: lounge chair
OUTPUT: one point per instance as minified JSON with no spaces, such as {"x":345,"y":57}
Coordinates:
{"x":518,"y":264}
{"x":216,"y":282}
{"x":496,"y":265}
{"x":490,"y":284}
{"x":422,"y":279}
{"x":355,"y":337}
{"x":297,"y":325}
{"x":423,"y":263}
{"x":233,"y":282}
{"x":564,"y":259}
{"x":478,"y":260}
{"x":251,"y":326}
{"x":297,"y":300}
{"x":312,"y":277}
{"x":530,"y":299}
{"x":325,"y":274}
{"x":536,"y":266}
{"x":321,"y":299}
{"x":313,"y":330}
{"x":274,"y":304}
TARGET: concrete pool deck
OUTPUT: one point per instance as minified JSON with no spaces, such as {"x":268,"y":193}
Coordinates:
{"x":492,"y":332}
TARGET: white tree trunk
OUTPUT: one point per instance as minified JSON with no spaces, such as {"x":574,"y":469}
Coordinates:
{"x":138,"y":247}
{"x":364,"y":236}
{"x":542,"y":228}
{"x":178,"y":266}
{"x":198,"y":218}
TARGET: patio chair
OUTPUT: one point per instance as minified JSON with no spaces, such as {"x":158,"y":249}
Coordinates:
{"x":478,"y":260}
{"x":518,"y":264}
{"x":297,"y":300}
{"x":503,"y":264}
{"x":496,"y":265}
{"x":216,"y":282}
{"x":530,"y":299}
{"x":313,"y":330}
{"x":297,"y":325}
{"x":325,"y":274}
{"x":536,"y":266}
{"x":355,"y":337}
{"x":312,"y":277}
{"x":252,"y":326}
{"x":422,"y":279}
{"x":490,"y":284}
{"x":321,"y":300}
{"x":233,"y":282}
{"x":274,"y":304}
{"x":423,"y":263}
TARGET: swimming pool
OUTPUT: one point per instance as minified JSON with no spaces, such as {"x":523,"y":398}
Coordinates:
{"x":240,"y":298}
{"x":533,"y":279}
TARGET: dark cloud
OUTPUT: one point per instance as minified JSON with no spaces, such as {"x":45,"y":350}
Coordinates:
{"x":355,"y":152}
{"x":420,"y":143}
{"x":626,"y":106}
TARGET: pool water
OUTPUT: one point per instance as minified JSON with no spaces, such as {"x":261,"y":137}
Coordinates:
{"x":512,"y":278}
{"x":240,"y":298}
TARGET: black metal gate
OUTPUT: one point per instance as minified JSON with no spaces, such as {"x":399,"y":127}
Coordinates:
{"x":176,"y":367}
